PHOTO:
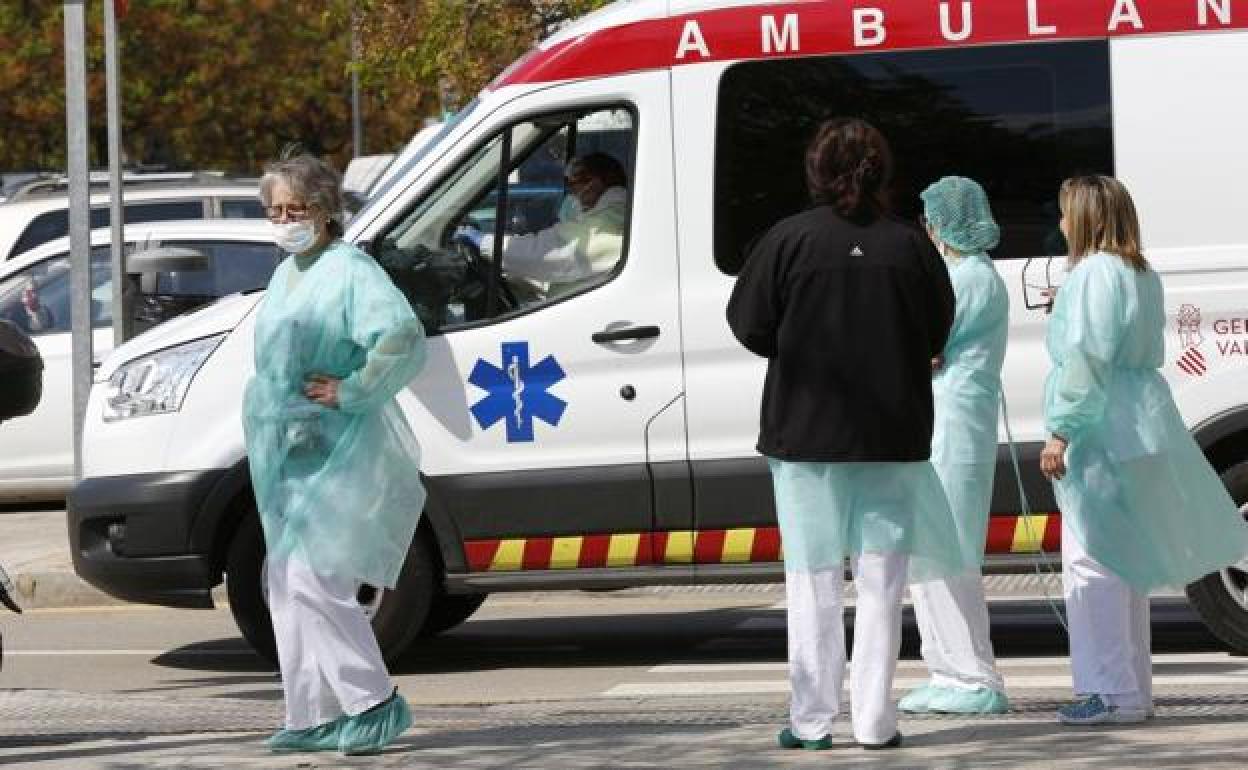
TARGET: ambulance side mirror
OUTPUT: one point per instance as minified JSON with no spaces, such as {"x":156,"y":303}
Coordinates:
{"x":150,"y":263}
{"x":142,"y":305}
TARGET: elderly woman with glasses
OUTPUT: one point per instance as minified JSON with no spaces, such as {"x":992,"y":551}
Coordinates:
{"x":332,"y":463}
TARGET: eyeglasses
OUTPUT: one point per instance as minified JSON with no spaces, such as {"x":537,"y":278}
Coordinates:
{"x":295,"y":212}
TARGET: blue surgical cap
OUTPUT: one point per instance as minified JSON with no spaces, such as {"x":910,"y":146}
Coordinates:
{"x":957,"y":209}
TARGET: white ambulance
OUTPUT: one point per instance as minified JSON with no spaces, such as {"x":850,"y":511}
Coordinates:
{"x":603,"y":436}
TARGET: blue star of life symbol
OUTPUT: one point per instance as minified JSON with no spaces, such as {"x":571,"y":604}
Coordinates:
{"x":517,"y":392}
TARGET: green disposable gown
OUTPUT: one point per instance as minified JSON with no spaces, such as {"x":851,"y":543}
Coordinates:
{"x":1138,"y":492}
{"x":338,"y":488}
{"x":967,"y":393}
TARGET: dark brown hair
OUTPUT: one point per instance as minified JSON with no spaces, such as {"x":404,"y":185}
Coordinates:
{"x":848,"y":167}
{"x":602,"y":167}
{"x":1100,"y":216}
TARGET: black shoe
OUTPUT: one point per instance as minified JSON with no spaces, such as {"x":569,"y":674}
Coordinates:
{"x":891,"y":743}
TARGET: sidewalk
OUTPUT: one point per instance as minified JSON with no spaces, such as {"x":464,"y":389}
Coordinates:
{"x":635,"y":734}
{"x":34,"y":550}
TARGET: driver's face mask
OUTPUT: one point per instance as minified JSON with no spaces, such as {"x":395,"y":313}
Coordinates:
{"x":569,"y":208}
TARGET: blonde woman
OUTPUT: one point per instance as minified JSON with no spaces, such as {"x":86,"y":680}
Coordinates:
{"x":1141,"y":507}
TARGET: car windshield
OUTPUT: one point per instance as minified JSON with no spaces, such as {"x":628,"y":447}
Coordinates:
{"x":447,"y":127}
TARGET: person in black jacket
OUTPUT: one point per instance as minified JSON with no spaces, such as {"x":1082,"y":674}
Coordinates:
{"x":849,"y":305}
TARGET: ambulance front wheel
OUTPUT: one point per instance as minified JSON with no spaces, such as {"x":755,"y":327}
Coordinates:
{"x":397,"y":618}
{"x":1221,"y":598}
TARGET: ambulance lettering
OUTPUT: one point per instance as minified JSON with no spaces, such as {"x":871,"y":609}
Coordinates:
{"x":781,"y":39}
{"x":517,"y":393}
{"x":946,"y":23}
{"x":1231,"y":336}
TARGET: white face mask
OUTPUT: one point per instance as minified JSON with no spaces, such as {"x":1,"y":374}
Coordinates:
{"x":570,"y":208}
{"x":294,"y":237}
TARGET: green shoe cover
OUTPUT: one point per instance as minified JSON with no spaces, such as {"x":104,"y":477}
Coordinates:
{"x":373,"y":730}
{"x":955,"y":700}
{"x":788,"y":740}
{"x":918,"y":700}
{"x":320,"y":738}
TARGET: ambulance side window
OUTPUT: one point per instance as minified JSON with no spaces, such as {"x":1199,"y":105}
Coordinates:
{"x":1019,"y":119}
{"x":538,"y":213}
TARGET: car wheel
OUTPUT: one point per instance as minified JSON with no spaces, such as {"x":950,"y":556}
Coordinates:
{"x":244,"y":585}
{"x":397,"y":615}
{"x":1221,"y":598}
{"x":449,"y":610}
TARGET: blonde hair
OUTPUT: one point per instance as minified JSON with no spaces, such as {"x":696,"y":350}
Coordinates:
{"x":1100,"y":216}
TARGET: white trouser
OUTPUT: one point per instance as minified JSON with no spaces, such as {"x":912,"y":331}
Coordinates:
{"x":816,"y":629}
{"x":952,"y":616}
{"x":330,"y":660}
{"x":1110,"y":633}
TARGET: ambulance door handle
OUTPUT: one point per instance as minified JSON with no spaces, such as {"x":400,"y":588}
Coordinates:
{"x":627,"y":333}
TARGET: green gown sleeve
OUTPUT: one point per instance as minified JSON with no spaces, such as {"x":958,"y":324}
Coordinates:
{"x":382,"y":323}
{"x":1091,"y":313}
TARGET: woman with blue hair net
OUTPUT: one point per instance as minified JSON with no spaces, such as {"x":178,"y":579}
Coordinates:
{"x":1141,"y":506}
{"x":333,"y":463}
{"x":846,"y":425}
{"x":951,"y":613}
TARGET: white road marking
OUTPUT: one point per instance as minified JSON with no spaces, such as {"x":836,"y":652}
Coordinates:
{"x":1219,"y":658}
{"x":776,"y":686}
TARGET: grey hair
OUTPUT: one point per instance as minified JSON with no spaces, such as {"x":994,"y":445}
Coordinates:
{"x":311,"y":179}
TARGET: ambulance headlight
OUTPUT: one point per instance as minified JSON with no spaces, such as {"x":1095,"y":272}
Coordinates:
{"x":156,"y":383}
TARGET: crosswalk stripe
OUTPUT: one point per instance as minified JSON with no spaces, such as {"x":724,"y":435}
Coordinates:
{"x":779,"y":686}
{"x":1218,"y":658}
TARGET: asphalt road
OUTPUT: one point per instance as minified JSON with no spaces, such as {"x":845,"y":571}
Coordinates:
{"x":690,"y":679}
{"x":522,"y":648}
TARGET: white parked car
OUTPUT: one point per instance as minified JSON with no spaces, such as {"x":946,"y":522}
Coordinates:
{"x":36,"y":452}
{"x":38,"y":211}
{"x":604,"y":435}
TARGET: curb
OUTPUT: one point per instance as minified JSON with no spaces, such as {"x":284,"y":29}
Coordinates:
{"x":64,"y":589}
{"x":44,"y":590}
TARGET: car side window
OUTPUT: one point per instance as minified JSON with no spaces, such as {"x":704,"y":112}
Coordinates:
{"x":37,"y":298}
{"x":165,"y":211}
{"x":538,"y":213}
{"x":1017,"y":118}
{"x":241,"y":208}
{"x":51,"y":225}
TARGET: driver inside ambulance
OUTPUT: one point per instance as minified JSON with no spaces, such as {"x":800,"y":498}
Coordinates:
{"x":587,"y":240}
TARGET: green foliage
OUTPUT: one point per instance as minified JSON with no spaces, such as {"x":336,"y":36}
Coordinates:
{"x":453,"y":47}
{"x":226,"y":83}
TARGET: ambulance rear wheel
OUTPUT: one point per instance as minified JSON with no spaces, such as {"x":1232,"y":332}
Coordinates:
{"x":449,"y":610}
{"x":1221,"y":598}
{"x":397,"y":618}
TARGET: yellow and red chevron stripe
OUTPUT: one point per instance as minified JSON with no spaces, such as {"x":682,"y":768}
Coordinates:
{"x":1006,"y":534}
{"x":715,"y":546}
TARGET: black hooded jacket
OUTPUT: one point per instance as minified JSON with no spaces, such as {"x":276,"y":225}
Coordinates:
{"x":849,"y":317}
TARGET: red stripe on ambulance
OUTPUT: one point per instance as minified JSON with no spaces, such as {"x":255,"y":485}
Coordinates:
{"x":847,"y":26}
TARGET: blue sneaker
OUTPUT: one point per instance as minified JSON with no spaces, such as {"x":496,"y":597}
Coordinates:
{"x":788,"y":740}
{"x":956,"y":700}
{"x":918,"y":700}
{"x":1094,"y":711}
